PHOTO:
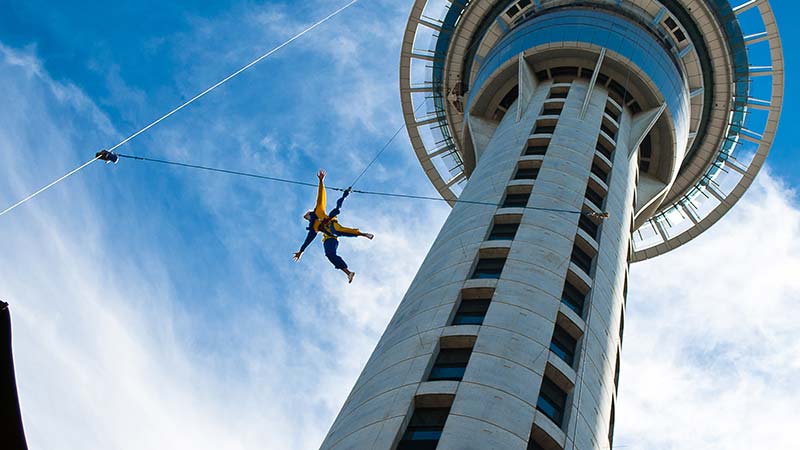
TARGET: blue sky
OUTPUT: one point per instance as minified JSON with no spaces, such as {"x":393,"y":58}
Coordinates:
{"x":169,"y":296}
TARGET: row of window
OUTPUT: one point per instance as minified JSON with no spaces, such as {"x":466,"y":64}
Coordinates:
{"x":426,"y":424}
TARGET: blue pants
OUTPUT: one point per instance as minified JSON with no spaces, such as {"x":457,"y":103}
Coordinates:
{"x":331,"y":245}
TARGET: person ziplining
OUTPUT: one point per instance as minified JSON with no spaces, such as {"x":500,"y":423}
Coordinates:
{"x":328,"y":225}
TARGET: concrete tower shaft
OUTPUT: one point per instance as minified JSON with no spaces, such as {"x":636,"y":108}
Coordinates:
{"x":529,"y":116}
{"x":527,"y":278}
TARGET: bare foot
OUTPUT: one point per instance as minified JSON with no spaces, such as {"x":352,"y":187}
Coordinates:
{"x":350,"y":277}
{"x":368,"y":236}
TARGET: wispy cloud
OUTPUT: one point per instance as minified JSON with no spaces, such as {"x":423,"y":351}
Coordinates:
{"x":159,"y":308}
{"x":711,"y":345}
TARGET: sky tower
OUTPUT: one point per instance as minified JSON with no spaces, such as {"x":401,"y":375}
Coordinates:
{"x":533,"y":118}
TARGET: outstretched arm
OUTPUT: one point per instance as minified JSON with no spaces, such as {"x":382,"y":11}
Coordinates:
{"x":335,"y":212}
{"x":309,"y":238}
{"x":319,"y":209}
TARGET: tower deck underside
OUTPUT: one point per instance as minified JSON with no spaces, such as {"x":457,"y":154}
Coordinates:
{"x":730,"y":62}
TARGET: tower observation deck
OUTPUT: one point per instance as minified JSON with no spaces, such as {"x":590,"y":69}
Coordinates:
{"x":657,"y":112}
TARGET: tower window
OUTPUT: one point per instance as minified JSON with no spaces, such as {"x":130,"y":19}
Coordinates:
{"x":600,"y":172}
{"x":450,"y":364}
{"x":424,"y":429}
{"x":581,"y":259}
{"x":516,"y":200}
{"x":526,"y":173}
{"x":616,"y":373}
{"x":471,"y":311}
{"x":512,"y":11}
{"x":489,"y":268}
{"x":594,"y":197}
{"x":544,"y":128}
{"x":574,"y":298}
{"x":537,"y":147}
{"x":589,"y":226}
{"x":612,"y":112}
{"x":552,"y":401}
{"x":563,"y":344}
{"x":603,"y":149}
{"x":503,"y":231}
{"x":607,"y":128}
{"x":558,"y":92}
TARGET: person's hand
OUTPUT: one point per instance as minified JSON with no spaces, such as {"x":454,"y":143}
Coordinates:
{"x":297,"y":256}
{"x":321,"y":174}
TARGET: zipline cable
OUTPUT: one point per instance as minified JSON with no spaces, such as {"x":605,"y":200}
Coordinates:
{"x":377,"y":155}
{"x":51,"y":184}
{"x":224,"y":80}
{"x":355,"y":191}
{"x":185,"y":104}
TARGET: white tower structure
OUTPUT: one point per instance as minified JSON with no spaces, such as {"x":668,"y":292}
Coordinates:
{"x":529,"y":116}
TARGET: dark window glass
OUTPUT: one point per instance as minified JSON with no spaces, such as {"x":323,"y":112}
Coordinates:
{"x":489,"y":268}
{"x":558,"y":94}
{"x":621,"y":326}
{"x":564,"y":72}
{"x":471,"y":312}
{"x":586,"y":73}
{"x":552,"y":401}
{"x":536,"y":150}
{"x":527,"y":173}
{"x":679,"y":35}
{"x":594,"y":197}
{"x":616,"y":374}
{"x":563,"y":345}
{"x":551,"y":111}
{"x":581,"y":259}
{"x":670,"y":23}
{"x":644,"y":165}
{"x":635,"y":108}
{"x":450,"y":364}
{"x":542,"y":75}
{"x":646,"y":149}
{"x":424,"y":429}
{"x":516,"y":200}
{"x":544,"y":129}
{"x":607,"y":130}
{"x":619,"y":94}
{"x":512,"y":11}
{"x":503,"y":231}
{"x":612,"y":113}
{"x":600,"y":172}
{"x":602,"y":79}
{"x":573,"y":298}
{"x":509,"y":99}
{"x":589,"y":226}
{"x":603,"y":150}
{"x":524,"y":3}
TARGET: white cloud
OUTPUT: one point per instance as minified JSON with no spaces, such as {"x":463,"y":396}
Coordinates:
{"x":111,"y":353}
{"x":711,"y":351}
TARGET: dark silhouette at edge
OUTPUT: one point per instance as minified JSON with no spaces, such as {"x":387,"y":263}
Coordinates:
{"x":11,"y":431}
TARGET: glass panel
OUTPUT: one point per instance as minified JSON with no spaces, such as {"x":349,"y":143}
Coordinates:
{"x":589,"y":226}
{"x":536,"y":150}
{"x":452,"y":372}
{"x":489,"y":268}
{"x":503,"y":231}
{"x":516,"y":200}
{"x":573,"y":298}
{"x":582,"y":259}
